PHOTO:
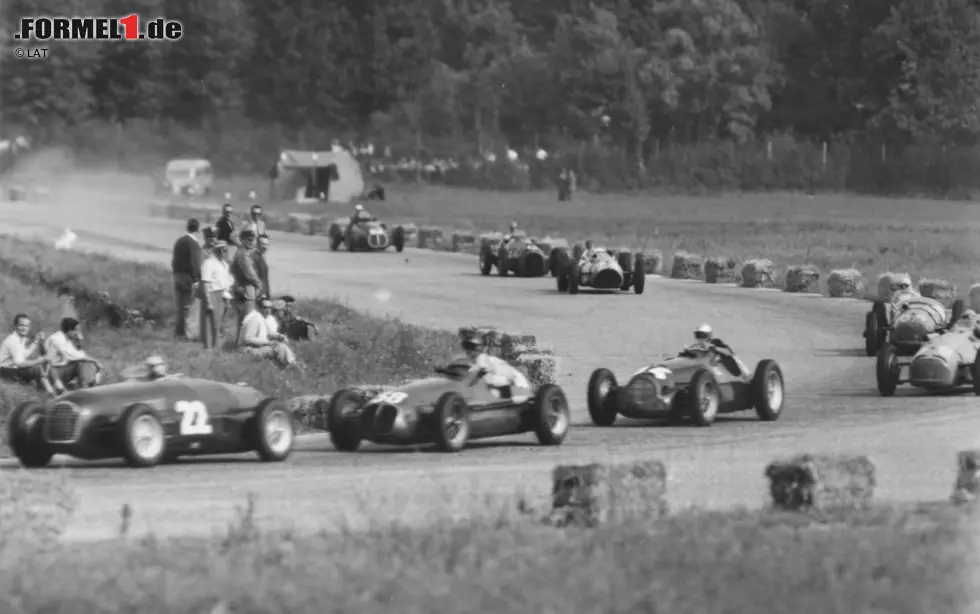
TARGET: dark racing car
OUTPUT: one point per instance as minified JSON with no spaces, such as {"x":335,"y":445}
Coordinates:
{"x":145,"y":422}
{"x":447,"y":410}
{"x":518,"y":256}
{"x":367,"y":235}
{"x":698,"y":384}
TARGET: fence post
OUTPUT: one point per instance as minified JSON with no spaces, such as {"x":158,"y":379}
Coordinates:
{"x":825,"y":154}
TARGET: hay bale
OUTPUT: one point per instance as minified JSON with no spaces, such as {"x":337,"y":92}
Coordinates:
{"x":463,"y":240}
{"x":653,"y":262}
{"x":846,"y":283}
{"x":719,"y":270}
{"x":687,"y":266}
{"x":277,"y":220}
{"x":411,"y":231}
{"x":967,"y":485}
{"x":300,"y":223}
{"x":758,"y":273}
{"x":939,"y":289}
{"x":514,"y":344}
{"x":320,"y":225}
{"x":17,"y":193}
{"x":821,"y":482}
{"x":802,"y":278}
{"x":590,"y":495}
{"x":540,"y":368}
{"x":430,"y":237}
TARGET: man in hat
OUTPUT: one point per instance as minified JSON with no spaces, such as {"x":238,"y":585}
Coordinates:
{"x":216,"y":285}
{"x":292,"y":325}
{"x":248,"y":285}
{"x":256,"y":338}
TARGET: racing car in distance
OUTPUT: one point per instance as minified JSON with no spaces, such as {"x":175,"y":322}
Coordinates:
{"x":698,"y":384}
{"x":905,"y":322}
{"x":519,"y":256}
{"x":601,"y":269}
{"x":944,"y":362}
{"x":449,"y":409}
{"x":146,"y":422}
{"x":372,"y":235}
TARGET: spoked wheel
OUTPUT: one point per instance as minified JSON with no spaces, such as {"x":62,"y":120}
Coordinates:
{"x":143,"y":442}
{"x":705,"y":399}
{"x":274,"y":427}
{"x":551,"y":415}
{"x":453,"y":428}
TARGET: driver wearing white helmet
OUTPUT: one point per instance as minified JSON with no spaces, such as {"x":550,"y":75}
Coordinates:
{"x":511,"y":232}
{"x":705,"y":339}
{"x":361,"y":215}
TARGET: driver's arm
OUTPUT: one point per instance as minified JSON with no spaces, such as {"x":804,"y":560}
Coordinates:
{"x":499,"y":372}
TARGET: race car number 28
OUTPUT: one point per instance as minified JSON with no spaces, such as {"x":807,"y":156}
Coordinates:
{"x":194,"y":419}
{"x":390,"y":397}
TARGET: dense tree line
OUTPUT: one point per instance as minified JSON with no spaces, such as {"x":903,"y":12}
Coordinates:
{"x":458,"y":76}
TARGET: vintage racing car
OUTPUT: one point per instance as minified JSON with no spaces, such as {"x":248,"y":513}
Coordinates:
{"x":698,"y":384}
{"x":449,"y":409}
{"x":519,"y":256}
{"x":905,"y":321}
{"x":146,"y":422}
{"x":601,"y":269}
{"x":947,"y":360}
{"x":370,"y":235}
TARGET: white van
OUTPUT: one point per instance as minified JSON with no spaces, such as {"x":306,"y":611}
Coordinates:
{"x":190,"y":177}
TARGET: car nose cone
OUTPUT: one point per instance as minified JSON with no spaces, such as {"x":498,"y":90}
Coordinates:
{"x":932,"y":371}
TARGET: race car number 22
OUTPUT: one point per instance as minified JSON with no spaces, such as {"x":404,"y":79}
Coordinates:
{"x":194,"y":419}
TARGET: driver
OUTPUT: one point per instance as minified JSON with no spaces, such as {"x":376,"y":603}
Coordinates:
{"x":511,"y":232}
{"x":360,"y":215}
{"x":705,"y":339}
{"x":590,"y":252}
{"x":495,"y":372}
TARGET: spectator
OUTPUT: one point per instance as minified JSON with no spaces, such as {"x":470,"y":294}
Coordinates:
{"x":68,"y":309}
{"x":226,"y":226}
{"x":68,"y":363}
{"x":215,"y":294}
{"x":262,"y":265}
{"x":294,"y":326}
{"x":186,"y":266}
{"x":255,"y":223}
{"x":256,"y":339}
{"x":247,"y":283}
{"x":22,"y":358}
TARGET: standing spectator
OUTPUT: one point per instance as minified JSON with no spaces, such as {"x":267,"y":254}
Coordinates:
{"x":247,"y":283}
{"x":22,"y":358}
{"x":256,"y":340}
{"x":215,"y":294}
{"x":255,"y":223}
{"x":186,"y":267}
{"x":68,"y":363}
{"x":226,"y":226}
{"x":262,"y":265}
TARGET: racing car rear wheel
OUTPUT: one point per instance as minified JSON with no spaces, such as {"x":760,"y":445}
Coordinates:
{"x":273,"y":431}
{"x":573,"y":278}
{"x":551,"y":417}
{"x":335,"y":239}
{"x":704,"y":399}
{"x":345,"y":435}
{"x":601,"y":396}
{"x":26,"y":435}
{"x":452,"y":429}
{"x":975,"y":374}
{"x":639,"y":276}
{"x":887,"y":370}
{"x":872,"y":333}
{"x":768,"y":390}
{"x":141,"y":435}
{"x":398,"y":239}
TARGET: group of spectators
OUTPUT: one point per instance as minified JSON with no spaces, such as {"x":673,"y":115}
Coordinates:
{"x":224,"y":268}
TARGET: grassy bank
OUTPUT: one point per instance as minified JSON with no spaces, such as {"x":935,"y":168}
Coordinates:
{"x":901,"y":561}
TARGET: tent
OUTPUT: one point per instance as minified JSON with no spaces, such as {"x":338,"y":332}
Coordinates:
{"x":305,"y":175}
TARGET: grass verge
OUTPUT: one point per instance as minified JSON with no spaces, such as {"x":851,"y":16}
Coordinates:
{"x":885,"y":559}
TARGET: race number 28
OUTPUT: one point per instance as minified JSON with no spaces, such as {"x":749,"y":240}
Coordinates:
{"x":194,"y":419}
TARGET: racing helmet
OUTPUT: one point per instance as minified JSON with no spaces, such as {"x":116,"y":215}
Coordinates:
{"x":901,"y":282}
{"x":358,"y":207}
{"x":474,"y":341}
{"x":588,"y":244}
{"x":513,"y":226}
{"x":156,"y":366}
{"x":703,"y":332}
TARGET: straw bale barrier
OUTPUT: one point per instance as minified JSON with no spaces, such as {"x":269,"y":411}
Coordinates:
{"x":802,"y":278}
{"x":16,"y":193}
{"x":967,"y":485}
{"x":540,"y":368}
{"x":512,"y":345}
{"x":463,"y":240}
{"x":653,"y":262}
{"x":846,"y":283}
{"x":591,"y":495}
{"x":821,"y":482}
{"x":411,"y":231}
{"x":300,"y":223}
{"x":160,"y":208}
{"x":939,"y":289}
{"x":719,"y":270}
{"x":430,"y":237}
{"x":758,"y":273}
{"x":277,"y":220}
{"x":687,"y":266}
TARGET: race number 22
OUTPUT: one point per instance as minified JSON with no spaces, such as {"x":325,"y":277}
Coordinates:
{"x":194,"y":419}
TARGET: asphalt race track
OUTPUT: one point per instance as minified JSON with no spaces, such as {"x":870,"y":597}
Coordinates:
{"x":832,"y":404}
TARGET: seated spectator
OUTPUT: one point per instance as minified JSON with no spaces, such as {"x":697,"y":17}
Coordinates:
{"x":290,"y":324}
{"x":22,"y":358}
{"x":70,"y":365}
{"x":257,"y":341}
{"x":68,"y":308}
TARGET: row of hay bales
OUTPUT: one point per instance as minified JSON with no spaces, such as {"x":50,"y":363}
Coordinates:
{"x":754,"y":273}
{"x":596,"y":494}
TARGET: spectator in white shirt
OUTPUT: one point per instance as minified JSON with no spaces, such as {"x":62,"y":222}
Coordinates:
{"x":215,"y":294}
{"x":22,"y":358}
{"x":68,"y":363}
{"x":257,"y":341}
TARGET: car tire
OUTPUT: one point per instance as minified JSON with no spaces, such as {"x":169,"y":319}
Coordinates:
{"x":887,"y":370}
{"x":486,"y":260}
{"x":556,"y":261}
{"x":26,"y":435}
{"x":602,"y":405}
{"x":704,"y":398}
{"x":975,"y":374}
{"x":956,"y":312}
{"x":345,"y":434}
{"x":871,"y":333}
{"x":639,"y":275}
{"x":137,"y":418}
{"x":349,"y":239}
{"x":573,"y":278}
{"x":452,"y":428}
{"x":398,"y":239}
{"x":768,"y":390}
{"x":550,"y":415}
{"x":336,"y":238}
{"x":273,"y":431}
{"x":502,"y":261}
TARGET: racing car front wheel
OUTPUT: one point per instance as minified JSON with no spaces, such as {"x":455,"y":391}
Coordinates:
{"x":452,"y":422}
{"x":143,"y":443}
{"x":601,"y":397}
{"x":26,"y":435}
{"x":550,"y":415}
{"x":768,"y":390}
{"x":273,"y":431}
{"x":345,"y":435}
{"x":975,"y":374}
{"x":704,"y":399}
{"x":887,"y":370}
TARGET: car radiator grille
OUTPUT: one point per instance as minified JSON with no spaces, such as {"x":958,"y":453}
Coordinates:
{"x":61,"y":423}
{"x":378,"y":240}
{"x":607,"y":280}
{"x":642,"y":392}
{"x":379,"y":419}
